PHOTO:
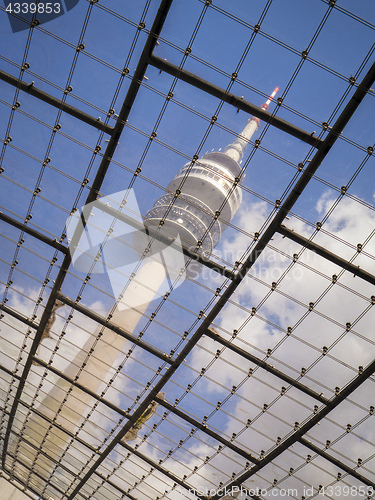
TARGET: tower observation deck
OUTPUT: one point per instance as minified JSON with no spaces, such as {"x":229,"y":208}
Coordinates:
{"x":205,"y":194}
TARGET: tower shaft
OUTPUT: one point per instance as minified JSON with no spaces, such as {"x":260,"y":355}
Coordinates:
{"x":237,"y":148}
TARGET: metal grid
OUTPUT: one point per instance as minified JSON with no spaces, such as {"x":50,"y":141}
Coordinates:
{"x":268,"y":384}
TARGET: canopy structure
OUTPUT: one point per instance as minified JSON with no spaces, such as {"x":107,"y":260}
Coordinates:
{"x":186,"y":274}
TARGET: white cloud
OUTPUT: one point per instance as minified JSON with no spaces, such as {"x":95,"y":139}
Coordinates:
{"x":351,"y":222}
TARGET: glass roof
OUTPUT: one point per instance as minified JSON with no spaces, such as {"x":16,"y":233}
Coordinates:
{"x":138,"y":363}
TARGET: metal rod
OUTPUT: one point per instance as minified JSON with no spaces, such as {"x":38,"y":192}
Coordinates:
{"x":206,"y":430}
{"x":70,"y":434}
{"x":2,"y":408}
{"x":58,"y":426}
{"x":323,"y":252}
{"x":49,"y":99}
{"x":117,"y":329}
{"x":235,"y":101}
{"x":114,"y":485}
{"x":33,"y":232}
{"x":289,"y":380}
{"x":276,"y":222}
{"x":34,"y":346}
{"x":18,"y":316}
{"x":9,"y":372}
{"x":30,"y":491}
{"x":82,"y":388}
{"x":42,"y":452}
{"x":113,"y":407}
{"x":336,"y":462}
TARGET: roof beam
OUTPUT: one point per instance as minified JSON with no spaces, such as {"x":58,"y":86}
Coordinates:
{"x":265,"y":238}
{"x":114,"y":485}
{"x":93,"y":193}
{"x":235,"y":101}
{"x":155,"y":465}
{"x":31,"y":492}
{"x":115,"y":328}
{"x":9,"y":372}
{"x":70,"y":434}
{"x":59,"y":427}
{"x":34,"y":346}
{"x":17,"y":459}
{"x":42,"y":452}
{"x":154,"y":233}
{"x":29,"y":88}
{"x":337,"y":463}
{"x":254,"y":255}
{"x":82,"y":388}
{"x":33,"y":232}
{"x":18,"y":316}
{"x":206,"y":430}
{"x":259,"y":362}
{"x":323,"y":252}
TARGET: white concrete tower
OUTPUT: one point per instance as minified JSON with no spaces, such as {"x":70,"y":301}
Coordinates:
{"x":208,"y":194}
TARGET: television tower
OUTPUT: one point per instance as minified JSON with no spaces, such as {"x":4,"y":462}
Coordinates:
{"x":208,"y":196}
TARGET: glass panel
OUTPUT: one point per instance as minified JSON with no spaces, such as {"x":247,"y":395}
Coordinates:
{"x":127,"y":138}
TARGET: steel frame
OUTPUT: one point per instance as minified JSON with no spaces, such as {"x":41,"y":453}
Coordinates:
{"x":155,"y":465}
{"x":153,"y":233}
{"x":37,"y":474}
{"x":42,"y":452}
{"x":94,"y":190}
{"x":276,"y":226}
{"x":297,"y":434}
{"x":128,"y":220}
{"x":9,"y":372}
{"x":17,"y":483}
{"x":206,"y":430}
{"x":18,"y":316}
